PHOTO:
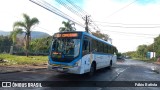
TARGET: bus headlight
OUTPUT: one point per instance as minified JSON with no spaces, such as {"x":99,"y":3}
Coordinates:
{"x":78,"y":63}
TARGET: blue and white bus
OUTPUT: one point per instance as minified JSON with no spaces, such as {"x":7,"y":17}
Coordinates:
{"x":79,"y":53}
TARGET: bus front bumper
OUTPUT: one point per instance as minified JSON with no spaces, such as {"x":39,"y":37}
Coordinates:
{"x":64,"y":69}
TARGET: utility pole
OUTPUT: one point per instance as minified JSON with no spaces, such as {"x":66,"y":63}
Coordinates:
{"x":86,"y":23}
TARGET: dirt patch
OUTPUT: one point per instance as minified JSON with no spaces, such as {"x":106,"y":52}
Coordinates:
{"x":18,"y":68}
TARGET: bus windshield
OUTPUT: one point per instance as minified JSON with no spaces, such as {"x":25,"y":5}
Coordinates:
{"x":65,"y":48}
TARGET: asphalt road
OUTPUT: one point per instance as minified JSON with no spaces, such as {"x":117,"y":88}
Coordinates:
{"x":129,"y":70}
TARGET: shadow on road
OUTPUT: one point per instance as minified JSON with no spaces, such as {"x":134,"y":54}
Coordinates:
{"x":83,"y":77}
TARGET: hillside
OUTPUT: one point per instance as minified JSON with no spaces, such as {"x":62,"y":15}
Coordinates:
{"x":4,"y":33}
{"x":34,"y":34}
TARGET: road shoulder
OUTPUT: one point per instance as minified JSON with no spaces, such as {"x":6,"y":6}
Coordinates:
{"x":20,"y":68}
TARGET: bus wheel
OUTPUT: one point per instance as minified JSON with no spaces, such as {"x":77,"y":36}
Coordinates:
{"x":110,"y":65}
{"x":92,"y":69}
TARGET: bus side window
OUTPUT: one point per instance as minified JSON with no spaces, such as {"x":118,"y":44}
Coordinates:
{"x":86,"y":47}
{"x":94,"y":45}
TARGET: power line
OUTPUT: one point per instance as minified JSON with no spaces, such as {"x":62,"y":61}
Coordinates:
{"x":54,"y":10}
{"x":75,"y":10}
{"x":69,"y":18}
{"x":77,"y":7}
{"x":142,"y":34}
{"x":121,"y":8}
{"x":58,"y":12}
{"x":45,"y":29}
{"x":69,"y":8}
{"x":84,"y":12}
{"x":129,"y":26}
{"x":123,"y":23}
{"x":95,"y":25}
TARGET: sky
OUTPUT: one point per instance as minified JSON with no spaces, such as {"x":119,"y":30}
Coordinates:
{"x":128,"y":23}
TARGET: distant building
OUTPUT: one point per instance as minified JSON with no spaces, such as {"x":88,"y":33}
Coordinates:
{"x":151,"y":55}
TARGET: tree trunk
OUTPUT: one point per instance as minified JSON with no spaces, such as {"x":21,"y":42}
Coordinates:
{"x":27,"y":45}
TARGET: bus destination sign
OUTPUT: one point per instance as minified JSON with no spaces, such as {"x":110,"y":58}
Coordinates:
{"x":63,"y":35}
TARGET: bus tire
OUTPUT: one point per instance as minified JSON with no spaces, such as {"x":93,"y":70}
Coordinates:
{"x":110,"y":65}
{"x":92,"y":69}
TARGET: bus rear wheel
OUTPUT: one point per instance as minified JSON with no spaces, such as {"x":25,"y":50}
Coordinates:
{"x":92,"y":69}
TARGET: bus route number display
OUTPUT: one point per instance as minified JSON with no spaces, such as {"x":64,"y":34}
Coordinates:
{"x":66,"y":35}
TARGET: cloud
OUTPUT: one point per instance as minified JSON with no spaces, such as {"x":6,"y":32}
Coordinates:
{"x":146,"y":2}
{"x":139,"y":2}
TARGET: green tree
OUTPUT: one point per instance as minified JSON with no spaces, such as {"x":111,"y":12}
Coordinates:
{"x":26,"y":26}
{"x":132,"y":54}
{"x":150,"y":48}
{"x":142,"y":51}
{"x":68,"y":26}
{"x":100,"y":35}
{"x":40,"y":44}
{"x":5,"y":43}
{"x":14,"y":34}
{"x":119,"y":54}
{"x":156,"y":45}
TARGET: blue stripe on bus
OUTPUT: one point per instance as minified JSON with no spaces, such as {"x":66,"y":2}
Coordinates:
{"x":69,"y":64}
{"x":74,"y":61}
{"x":99,"y":53}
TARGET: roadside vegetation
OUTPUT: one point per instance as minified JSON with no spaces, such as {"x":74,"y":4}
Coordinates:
{"x":135,"y":56}
{"x":146,"y":60}
{"x":7,"y":59}
{"x":142,"y":50}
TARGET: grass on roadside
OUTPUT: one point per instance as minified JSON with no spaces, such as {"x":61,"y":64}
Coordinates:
{"x":146,"y":60}
{"x":22,"y":60}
